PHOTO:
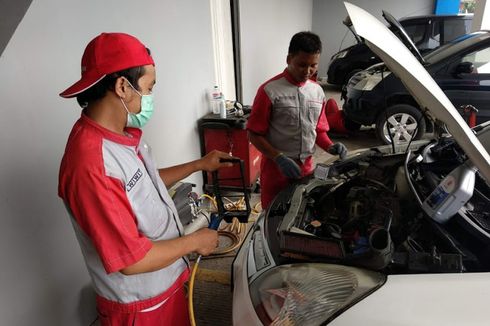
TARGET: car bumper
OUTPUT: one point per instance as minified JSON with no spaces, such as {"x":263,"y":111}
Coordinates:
{"x":244,"y":271}
{"x":438,"y":299}
{"x":425,"y":299}
{"x":361,"y":106}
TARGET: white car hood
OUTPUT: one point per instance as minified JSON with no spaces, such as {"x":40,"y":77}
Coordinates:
{"x":419,"y":83}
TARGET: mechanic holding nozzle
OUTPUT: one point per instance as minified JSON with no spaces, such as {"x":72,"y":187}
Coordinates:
{"x":126,"y":223}
{"x":288,"y":118}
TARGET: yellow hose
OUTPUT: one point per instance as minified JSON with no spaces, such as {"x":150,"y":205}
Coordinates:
{"x":237,"y":241}
{"x":211,"y":199}
{"x":234,"y":237}
{"x":235,"y":234}
{"x":191,"y":291}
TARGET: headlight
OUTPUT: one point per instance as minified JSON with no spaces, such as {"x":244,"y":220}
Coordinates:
{"x":370,"y":81}
{"x":310,"y":294}
{"x":340,"y":55}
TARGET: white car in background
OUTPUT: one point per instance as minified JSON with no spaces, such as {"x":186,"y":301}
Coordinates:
{"x":389,"y":236}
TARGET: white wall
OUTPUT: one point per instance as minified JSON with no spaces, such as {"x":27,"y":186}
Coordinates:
{"x":481,"y":20}
{"x":329,"y":14}
{"x":43,"y":278}
{"x":266,"y":27}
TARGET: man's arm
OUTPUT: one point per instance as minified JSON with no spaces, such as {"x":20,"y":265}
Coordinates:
{"x":258,"y":124}
{"x":210,"y":162}
{"x":288,"y":166}
{"x":322,"y":127}
{"x":165,"y":252}
{"x":263,"y":145}
{"x":324,"y":141}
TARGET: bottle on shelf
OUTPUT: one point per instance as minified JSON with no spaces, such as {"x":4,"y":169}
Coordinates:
{"x":215,"y":98}
{"x":222,"y":106}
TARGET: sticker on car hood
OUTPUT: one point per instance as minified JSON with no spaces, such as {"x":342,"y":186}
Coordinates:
{"x":419,"y":83}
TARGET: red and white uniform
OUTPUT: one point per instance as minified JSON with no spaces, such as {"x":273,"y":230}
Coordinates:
{"x":119,"y":204}
{"x":290,"y":115}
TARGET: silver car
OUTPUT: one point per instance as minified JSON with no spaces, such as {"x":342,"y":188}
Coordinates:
{"x":392,"y":235}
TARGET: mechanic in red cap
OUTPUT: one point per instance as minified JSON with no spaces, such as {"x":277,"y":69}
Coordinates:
{"x":125,"y":221}
{"x":288,"y":119}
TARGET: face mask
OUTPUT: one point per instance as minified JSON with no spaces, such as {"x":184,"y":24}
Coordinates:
{"x":138,"y":120}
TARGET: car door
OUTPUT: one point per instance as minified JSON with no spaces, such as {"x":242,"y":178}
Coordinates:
{"x":466,"y":81}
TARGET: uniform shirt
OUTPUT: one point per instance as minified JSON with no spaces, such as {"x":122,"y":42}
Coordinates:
{"x":290,"y":116}
{"x":118,"y":204}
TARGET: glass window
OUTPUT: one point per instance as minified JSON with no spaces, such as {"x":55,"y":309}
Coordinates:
{"x":416,"y":32}
{"x":480,"y":60}
{"x":435,"y":36}
{"x":453,"y":28}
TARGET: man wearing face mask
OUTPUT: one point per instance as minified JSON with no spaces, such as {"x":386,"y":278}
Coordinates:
{"x":288,"y":118}
{"x":124,"y":219}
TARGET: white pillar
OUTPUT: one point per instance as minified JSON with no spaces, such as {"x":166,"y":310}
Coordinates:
{"x":481,"y":20}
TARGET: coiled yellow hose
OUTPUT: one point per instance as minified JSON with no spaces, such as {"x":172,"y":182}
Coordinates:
{"x":234,"y":234}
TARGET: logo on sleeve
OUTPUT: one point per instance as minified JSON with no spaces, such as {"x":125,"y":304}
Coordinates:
{"x":134,"y":180}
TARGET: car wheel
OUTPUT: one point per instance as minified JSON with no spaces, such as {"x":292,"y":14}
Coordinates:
{"x":404,"y":123}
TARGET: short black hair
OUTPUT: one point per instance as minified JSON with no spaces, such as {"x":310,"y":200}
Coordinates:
{"x":107,"y":83}
{"x":305,"y":42}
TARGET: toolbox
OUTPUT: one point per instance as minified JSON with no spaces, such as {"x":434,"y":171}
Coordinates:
{"x":229,"y":135}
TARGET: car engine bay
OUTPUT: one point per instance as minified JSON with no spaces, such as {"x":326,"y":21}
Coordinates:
{"x":367,"y":212}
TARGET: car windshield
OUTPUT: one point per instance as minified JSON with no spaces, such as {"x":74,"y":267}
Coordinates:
{"x":455,"y":46}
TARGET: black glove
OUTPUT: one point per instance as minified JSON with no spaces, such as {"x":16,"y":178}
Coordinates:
{"x":288,"y":166}
{"x":338,"y":149}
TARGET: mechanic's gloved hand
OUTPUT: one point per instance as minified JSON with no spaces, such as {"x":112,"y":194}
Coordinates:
{"x":338,"y":149}
{"x":288,"y":166}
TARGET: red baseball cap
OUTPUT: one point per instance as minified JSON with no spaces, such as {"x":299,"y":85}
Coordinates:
{"x":105,"y":54}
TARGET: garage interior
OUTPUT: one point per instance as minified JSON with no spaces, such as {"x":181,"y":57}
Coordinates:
{"x":196,"y":45}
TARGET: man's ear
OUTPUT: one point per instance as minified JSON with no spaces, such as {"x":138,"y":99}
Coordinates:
{"x":288,"y":59}
{"x":121,"y":87}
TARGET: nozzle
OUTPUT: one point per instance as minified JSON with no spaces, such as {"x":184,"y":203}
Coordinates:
{"x":215,"y":221}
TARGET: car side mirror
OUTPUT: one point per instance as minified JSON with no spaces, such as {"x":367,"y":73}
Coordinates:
{"x":464,"y":68}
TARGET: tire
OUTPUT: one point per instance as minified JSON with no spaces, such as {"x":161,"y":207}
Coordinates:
{"x":404,"y":120}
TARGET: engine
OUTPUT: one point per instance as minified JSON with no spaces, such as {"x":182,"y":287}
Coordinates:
{"x":365,"y":214}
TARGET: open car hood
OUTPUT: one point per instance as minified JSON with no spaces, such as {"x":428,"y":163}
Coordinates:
{"x":347,"y":22}
{"x":419,"y":83}
{"x":396,"y":26}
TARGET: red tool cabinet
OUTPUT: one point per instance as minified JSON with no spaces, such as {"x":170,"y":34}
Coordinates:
{"x":229,"y":135}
